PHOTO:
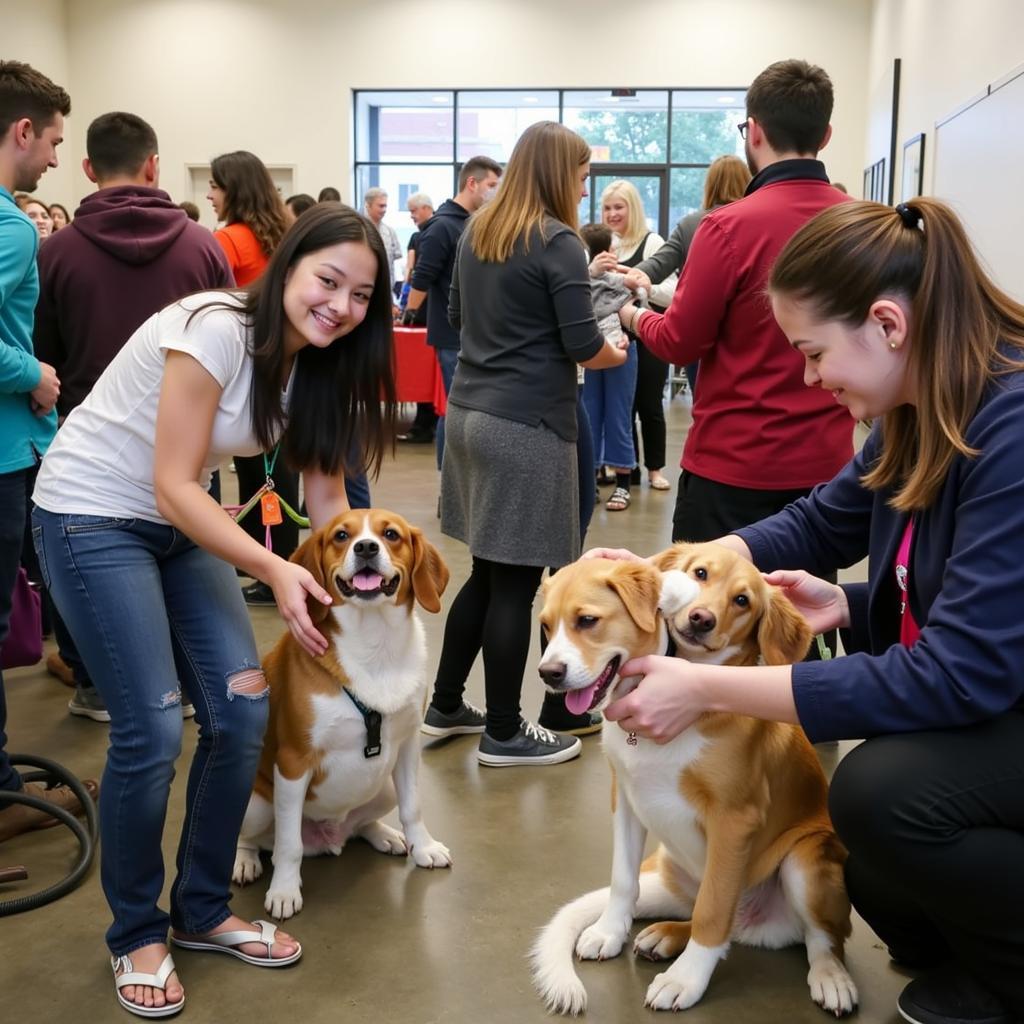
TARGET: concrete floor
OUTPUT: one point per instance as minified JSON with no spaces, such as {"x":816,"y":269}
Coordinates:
{"x":385,"y":941}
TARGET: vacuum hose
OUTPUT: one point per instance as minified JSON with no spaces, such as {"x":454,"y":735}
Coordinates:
{"x":87,"y":834}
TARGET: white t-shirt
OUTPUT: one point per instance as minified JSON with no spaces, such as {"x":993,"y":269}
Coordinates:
{"x":101,"y":462}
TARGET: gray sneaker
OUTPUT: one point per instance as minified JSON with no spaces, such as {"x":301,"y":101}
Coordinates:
{"x":87,"y":703}
{"x":531,"y":745}
{"x":466,"y":720}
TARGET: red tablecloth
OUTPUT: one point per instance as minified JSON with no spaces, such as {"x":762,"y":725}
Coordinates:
{"x":417,"y":371}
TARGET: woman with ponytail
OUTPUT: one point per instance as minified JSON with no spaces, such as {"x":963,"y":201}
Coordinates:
{"x":896,"y":318}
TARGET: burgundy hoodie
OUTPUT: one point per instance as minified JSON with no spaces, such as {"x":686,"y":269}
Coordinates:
{"x":128,"y":252}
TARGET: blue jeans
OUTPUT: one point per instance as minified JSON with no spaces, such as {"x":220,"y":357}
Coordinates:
{"x":12,"y":530}
{"x":608,"y":397}
{"x":147,"y":607}
{"x":448,"y":358}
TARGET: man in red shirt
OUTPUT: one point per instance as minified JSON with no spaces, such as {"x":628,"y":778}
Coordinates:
{"x":760,"y":438}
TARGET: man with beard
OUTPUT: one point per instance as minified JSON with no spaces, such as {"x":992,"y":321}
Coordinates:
{"x":32,"y":112}
{"x":760,"y":438}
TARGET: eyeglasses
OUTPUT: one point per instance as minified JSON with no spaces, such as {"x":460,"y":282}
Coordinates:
{"x":742,"y":129}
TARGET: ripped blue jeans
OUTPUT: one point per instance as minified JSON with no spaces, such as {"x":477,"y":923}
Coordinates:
{"x":147,"y":608}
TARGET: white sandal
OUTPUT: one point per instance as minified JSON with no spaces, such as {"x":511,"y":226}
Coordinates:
{"x":225,"y":942}
{"x":133,"y":977}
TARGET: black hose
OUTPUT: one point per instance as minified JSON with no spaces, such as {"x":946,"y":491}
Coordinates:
{"x":87,"y":835}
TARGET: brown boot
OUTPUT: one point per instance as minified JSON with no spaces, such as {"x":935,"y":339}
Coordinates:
{"x":16,"y":818}
{"x":58,"y":667}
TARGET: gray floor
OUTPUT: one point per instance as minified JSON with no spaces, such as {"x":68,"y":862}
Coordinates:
{"x":385,"y":941}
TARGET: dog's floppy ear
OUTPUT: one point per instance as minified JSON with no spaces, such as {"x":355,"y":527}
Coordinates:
{"x":670,"y":557}
{"x":429,"y":573}
{"x":784,"y":635}
{"x":638,"y":587}
{"x":310,"y":555}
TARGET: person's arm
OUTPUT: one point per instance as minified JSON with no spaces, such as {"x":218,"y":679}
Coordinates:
{"x":674,"y":693}
{"x":188,"y":403}
{"x":433,"y":252}
{"x":568,"y":277}
{"x":669,"y":257}
{"x":20,"y":371}
{"x":691,"y":324}
{"x":660,"y":293}
{"x":325,"y":496}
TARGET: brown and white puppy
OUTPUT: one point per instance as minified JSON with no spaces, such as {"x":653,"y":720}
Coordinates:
{"x":322,"y":779}
{"x":747,"y":852}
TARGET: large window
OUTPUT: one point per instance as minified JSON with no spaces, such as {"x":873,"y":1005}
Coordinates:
{"x":664,"y":139}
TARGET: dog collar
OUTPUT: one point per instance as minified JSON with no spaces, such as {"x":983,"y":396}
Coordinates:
{"x":373,"y":720}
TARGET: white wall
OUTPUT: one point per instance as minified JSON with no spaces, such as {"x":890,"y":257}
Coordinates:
{"x":276,"y":77}
{"x":39,"y":36}
{"x":950,"y":50}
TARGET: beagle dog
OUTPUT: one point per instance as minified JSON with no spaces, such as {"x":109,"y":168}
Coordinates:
{"x":747,"y":851}
{"x":342,"y":742}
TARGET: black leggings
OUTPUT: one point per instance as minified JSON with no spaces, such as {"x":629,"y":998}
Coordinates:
{"x":492,"y":613}
{"x":651,"y":374}
{"x":934,"y":822}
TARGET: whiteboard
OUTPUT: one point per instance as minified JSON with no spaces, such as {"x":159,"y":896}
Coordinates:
{"x":979,"y":153}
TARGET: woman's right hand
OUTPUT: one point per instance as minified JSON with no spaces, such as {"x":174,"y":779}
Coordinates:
{"x":821,"y":603}
{"x":291,"y":584}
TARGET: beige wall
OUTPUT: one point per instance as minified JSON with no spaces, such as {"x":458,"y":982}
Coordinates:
{"x":950,"y":50}
{"x":276,"y":77}
{"x":38,"y":35}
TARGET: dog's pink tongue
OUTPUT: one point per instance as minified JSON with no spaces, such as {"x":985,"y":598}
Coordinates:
{"x":366,"y":580}
{"x":578,"y":701}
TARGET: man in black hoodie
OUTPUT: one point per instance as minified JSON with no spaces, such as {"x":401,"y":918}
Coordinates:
{"x":129,"y":252}
{"x":435,"y":263}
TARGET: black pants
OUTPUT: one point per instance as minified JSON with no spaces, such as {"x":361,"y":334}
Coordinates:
{"x":934,"y":822}
{"x":251,"y":477}
{"x":651,"y":374}
{"x":491,"y":613}
{"x":706,"y":510}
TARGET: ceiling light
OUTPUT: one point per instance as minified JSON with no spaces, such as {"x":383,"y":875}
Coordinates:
{"x":439,"y":99}
{"x":530,"y":99}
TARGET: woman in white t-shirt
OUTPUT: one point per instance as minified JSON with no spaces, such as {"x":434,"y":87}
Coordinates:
{"x":138,"y":558}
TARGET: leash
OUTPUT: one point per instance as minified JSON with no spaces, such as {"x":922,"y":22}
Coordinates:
{"x":823,"y":652}
{"x":271,"y":503}
{"x":373,"y":720}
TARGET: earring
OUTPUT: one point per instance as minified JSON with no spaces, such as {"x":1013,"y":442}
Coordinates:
{"x":893,"y":345}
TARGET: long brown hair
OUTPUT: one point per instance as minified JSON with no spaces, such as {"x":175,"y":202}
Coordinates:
{"x":961,"y":325}
{"x":539,"y":184}
{"x":726,"y":181}
{"x":250,"y":197}
{"x":342,"y":410}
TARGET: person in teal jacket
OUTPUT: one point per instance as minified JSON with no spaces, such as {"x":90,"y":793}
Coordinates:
{"x":32,"y":111}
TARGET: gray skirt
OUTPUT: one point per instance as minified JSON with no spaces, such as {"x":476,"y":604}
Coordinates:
{"x":508,"y":490}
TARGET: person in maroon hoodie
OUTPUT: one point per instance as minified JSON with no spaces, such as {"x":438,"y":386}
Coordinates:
{"x":128,"y":252}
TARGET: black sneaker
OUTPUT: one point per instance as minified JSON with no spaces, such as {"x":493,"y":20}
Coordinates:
{"x":575,"y":725}
{"x":950,"y":996}
{"x":531,"y":745}
{"x":259,"y":595}
{"x":468,"y":719}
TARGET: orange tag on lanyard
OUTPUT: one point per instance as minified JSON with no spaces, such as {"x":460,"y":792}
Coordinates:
{"x":270,"y":509}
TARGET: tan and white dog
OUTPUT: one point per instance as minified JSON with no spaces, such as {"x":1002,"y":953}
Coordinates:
{"x":342,"y":743}
{"x":747,"y":852}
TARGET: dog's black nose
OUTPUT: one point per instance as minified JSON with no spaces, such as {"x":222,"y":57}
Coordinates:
{"x":553,"y":672}
{"x":702,"y":620}
{"x":366,"y":548}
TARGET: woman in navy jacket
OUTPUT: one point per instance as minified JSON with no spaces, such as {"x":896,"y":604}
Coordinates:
{"x":894,"y":316}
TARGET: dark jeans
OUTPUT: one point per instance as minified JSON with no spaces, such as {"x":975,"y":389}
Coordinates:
{"x":706,"y":510}
{"x":12,"y":528}
{"x":651,"y":374}
{"x":448,"y":359}
{"x":491,"y":613}
{"x":934,"y":822}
